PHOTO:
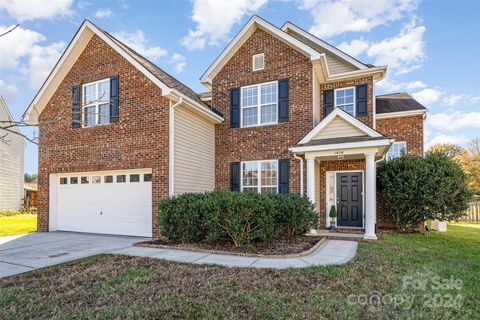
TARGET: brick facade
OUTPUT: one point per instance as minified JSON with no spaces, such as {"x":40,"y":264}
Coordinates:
{"x":263,"y":142}
{"x":138,"y":140}
{"x":409,"y":129}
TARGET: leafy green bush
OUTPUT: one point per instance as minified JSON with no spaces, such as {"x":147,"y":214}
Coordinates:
{"x":416,"y":189}
{"x":294,"y":215}
{"x":239,"y":217}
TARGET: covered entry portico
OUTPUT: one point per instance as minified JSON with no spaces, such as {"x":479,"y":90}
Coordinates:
{"x":341,"y":171}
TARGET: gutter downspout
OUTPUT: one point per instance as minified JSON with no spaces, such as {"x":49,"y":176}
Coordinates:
{"x":171,"y":146}
{"x":301,"y":173}
{"x":376,"y":162}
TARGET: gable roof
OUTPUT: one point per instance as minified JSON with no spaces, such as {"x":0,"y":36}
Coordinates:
{"x":397,"y":102}
{"x":171,"y":87}
{"x":337,"y":112}
{"x":254,"y":23}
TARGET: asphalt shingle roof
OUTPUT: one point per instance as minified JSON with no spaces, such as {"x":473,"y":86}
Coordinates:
{"x":397,"y":102}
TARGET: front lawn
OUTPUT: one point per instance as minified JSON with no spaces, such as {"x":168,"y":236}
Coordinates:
{"x":17,"y":224}
{"x":386,"y":280}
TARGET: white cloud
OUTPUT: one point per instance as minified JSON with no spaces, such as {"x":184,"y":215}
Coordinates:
{"x":16,"y":45}
{"x":7,"y":90}
{"x":404,"y":52}
{"x":355,"y":47}
{"x":475,"y":99}
{"x":214,"y":19}
{"x":390,"y":85}
{"x":444,"y":138}
{"x":427,"y":96}
{"x":178,"y":61}
{"x":455,"y":120}
{"x":333,"y":17}
{"x":138,"y":42}
{"x":41,"y":62}
{"x":452,"y":99}
{"x":22,"y":10}
{"x":103,"y":13}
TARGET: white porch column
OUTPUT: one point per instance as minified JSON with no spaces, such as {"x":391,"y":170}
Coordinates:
{"x":370,"y":196}
{"x":311,"y":178}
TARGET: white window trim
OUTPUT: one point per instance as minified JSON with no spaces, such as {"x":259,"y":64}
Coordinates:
{"x":387,"y":158}
{"x":95,"y":104}
{"x":259,"y":185}
{"x":354,"y":99}
{"x":253,"y":61}
{"x":259,"y":106}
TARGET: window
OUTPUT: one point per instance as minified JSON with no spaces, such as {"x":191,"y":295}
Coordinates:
{"x":258,"y":62}
{"x":259,"y":104}
{"x":147,"y":177}
{"x":84,"y":180}
{"x":63,"y":180}
{"x":121,"y":178}
{"x":96,"y":103}
{"x":108,"y":179}
{"x":396,"y":150}
{"x":74,"y":180}
{"x":96,"y":179}
{"x":260,"y":176}
{"x":134,"y":178}
{"x":345,"y":99}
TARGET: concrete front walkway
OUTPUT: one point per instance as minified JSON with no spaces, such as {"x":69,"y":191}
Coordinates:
{"x":329,"y":252}
{"x":28,"y":252}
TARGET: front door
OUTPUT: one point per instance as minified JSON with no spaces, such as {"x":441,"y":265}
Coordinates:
{"x":349,"y":199}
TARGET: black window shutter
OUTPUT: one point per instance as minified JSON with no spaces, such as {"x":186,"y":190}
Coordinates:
{"x":235,"y":176}
{"x":362,"y":98}
{"x":235,"y":108}
{"x":283,"y":100}
{"x":114,"y":99}
{"x":76,"y":108}
{"x":327,"y":102}
{"x":283,"y":176}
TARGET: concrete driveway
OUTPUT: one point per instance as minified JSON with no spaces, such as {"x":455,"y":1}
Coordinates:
{"x":37,"y":250}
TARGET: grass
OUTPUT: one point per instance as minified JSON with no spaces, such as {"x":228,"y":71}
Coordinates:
{"x":109,"y":286}
{"x":17,"y":224}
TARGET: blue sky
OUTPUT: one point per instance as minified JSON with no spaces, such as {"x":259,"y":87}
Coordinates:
{"x":431,"y":47}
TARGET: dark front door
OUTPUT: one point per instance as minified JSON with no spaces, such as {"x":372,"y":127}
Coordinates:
{"x":349,"y":199}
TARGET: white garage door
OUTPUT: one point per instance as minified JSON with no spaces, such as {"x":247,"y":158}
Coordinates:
{"x":112,"y":202}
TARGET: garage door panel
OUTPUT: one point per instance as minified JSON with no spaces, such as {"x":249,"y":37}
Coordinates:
{"x":111,"y":208}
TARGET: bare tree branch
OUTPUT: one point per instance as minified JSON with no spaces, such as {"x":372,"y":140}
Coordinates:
{"x":8,"y":31}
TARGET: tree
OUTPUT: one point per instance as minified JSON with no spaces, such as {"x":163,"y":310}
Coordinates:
{"x":449,"y":149}
{"x":416,"y":189}
{"x":30,"y":177}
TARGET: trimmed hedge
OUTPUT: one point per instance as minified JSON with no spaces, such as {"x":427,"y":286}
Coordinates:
{"x":239,"y":217}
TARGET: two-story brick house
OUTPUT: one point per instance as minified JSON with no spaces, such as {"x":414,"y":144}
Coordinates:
{"x":285,"y":112}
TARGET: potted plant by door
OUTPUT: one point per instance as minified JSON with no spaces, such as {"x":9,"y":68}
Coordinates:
{"x":333,"y":216}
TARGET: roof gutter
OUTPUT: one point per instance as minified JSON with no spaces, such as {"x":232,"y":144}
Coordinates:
{"x":175,"y":95}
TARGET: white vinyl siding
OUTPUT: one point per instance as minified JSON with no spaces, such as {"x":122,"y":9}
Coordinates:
{"x":339,"y":128}
{"x":337,"y":65}
{"x":11,"y":167}
{"x":194,"y":153}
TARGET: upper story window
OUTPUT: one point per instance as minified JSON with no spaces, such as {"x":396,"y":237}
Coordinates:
{"x":397,"y":150}
{"x":258,"y":62}
{"x":96,"y":103}
{"x":345,"y":99}
{"x":260,"y":176}
{"x":259,"y":104}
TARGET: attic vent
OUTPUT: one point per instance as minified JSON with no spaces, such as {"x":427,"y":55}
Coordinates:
{"x":258,"y":61}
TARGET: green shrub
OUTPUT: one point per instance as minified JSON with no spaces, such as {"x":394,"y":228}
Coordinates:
{"x":294,"y":214}
{"x":183,"y":218}
{"x":416,"y":189}
{"x":239,"y":217}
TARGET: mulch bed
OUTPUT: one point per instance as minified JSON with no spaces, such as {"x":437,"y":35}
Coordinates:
{"x":281,"y":246}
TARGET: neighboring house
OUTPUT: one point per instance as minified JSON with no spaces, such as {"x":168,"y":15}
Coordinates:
{"x":30,"y":194}
{"x":12,"y":147}
{"x":286,"y":112}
